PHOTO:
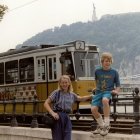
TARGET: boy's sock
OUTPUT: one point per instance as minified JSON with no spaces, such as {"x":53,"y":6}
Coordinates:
{"x":100,"y":121}
{"x":107,"y":121}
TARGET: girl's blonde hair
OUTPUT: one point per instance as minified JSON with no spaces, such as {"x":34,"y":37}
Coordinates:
{"x":106,"y":55}
{"x":70,"y":88}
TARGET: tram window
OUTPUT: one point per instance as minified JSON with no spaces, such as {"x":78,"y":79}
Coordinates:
{"x":11,"y":72}
{"x":1,"y":73}
{"x":26,"y":67}
{"x":52,"y":70}
{"x":54,"y":67}
{"x":41,"y":68}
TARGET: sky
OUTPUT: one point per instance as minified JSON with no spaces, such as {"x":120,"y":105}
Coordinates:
{"x":26,"y":18}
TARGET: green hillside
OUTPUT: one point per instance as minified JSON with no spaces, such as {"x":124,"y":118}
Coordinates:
{"x":119,"y":34}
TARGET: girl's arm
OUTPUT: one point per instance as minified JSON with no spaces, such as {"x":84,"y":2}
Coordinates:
{"x":48,"y":108}
{"x":85,"y":98}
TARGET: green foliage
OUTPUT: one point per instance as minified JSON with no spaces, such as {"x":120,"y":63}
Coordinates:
{"x":118,"y":34}
{"x":3,"y":10}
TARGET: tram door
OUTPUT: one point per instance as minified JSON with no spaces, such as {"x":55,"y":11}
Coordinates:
{"x":52,"y":67}
{"x":41,"y":86}
{"x":46,"y":69}
{"x":41,"y":68}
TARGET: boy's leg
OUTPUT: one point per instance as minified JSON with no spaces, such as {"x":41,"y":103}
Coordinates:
{"x":96,"y":102}
{"x":99,"y":120}
{"x":106,"y":110}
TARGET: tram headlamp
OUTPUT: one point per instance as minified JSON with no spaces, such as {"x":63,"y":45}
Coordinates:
{"x":87,"y":49}
{"x":62,"y":59}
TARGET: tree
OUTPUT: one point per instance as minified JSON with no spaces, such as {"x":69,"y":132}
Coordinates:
{"x":3,"y":10}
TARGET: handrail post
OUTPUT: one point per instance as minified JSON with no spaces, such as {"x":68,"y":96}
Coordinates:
{"x":4,"y":105}
{"x":24,"y":108}
{"x":115,"y":114}
{"x":136,"y":126}
{"x":93,"y":124}
{"x":4,"y":109}
{"x":34,"y":123}
{"x":14,"y":122}
{"x":77,"y":114}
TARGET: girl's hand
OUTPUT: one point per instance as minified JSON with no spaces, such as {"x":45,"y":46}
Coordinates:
{"x":55,"y":115}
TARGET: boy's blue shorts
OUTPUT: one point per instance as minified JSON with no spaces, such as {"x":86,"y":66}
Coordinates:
{"x":97,"y":98}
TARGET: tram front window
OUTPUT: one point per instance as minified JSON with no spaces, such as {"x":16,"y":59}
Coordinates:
{"x":85,"y":64}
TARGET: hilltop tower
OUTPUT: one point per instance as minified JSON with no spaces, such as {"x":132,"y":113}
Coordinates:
{"x":94,"y":17}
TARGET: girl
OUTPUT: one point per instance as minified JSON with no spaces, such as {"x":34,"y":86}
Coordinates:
{"x":62,"y":99}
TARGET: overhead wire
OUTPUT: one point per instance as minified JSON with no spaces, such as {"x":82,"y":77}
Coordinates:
{"x":21,"y":6}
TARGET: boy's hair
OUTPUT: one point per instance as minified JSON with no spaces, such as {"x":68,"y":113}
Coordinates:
{"x":106,"y":55}
{"x":70,"y":89}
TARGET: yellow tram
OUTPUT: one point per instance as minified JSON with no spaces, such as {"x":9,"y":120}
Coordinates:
{"x":32,"y":70}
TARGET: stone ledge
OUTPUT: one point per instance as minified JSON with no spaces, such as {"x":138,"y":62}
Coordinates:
{"x":82,"y":135}
{"x":24,"y":133}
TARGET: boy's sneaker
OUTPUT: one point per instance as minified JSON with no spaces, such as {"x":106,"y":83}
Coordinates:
{"x":105,"y":130}
{"x":98,"y":130}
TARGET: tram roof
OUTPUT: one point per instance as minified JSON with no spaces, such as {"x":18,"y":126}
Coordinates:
{"x":32,"y":48}
{"x":25,"y":49}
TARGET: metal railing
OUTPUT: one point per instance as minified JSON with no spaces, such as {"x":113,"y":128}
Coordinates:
{"x":35,"y":114}
{"x":136,"y":109}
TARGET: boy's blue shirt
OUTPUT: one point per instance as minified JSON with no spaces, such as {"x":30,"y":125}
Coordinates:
{"x":106,"y":80}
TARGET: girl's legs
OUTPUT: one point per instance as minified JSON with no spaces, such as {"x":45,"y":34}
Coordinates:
{"x":57,"y":131}
{"x":68,"y":128}
{"x":62,"y":128}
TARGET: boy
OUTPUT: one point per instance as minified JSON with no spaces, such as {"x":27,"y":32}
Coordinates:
{"x":107,"y":83}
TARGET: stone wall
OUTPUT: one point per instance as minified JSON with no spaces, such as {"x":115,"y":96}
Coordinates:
{"x":24,"y":133}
